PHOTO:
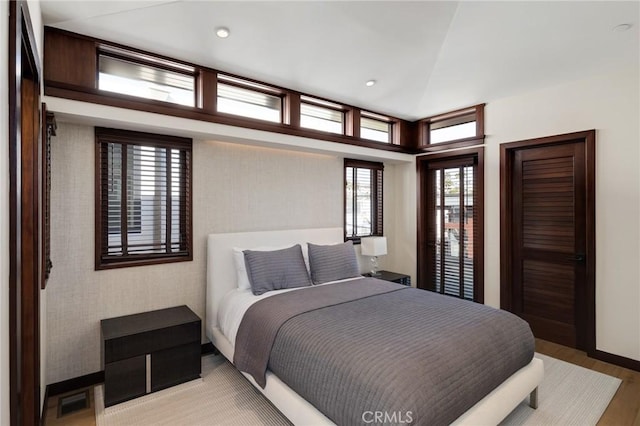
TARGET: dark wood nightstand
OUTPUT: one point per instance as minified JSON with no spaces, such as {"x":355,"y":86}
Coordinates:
{"x":393,"y":277}
{"x":146,"y":352}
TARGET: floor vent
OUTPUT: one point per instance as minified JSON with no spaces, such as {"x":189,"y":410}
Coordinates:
{"x":72,"y":403}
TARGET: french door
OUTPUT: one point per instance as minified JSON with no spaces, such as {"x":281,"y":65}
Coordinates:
{"x":450,"y":249}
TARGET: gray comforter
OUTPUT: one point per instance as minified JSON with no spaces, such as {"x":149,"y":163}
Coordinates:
{"x":370,"y":350}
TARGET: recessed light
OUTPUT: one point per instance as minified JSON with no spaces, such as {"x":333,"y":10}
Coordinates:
{"x":622,"y":27}
{"x":370,"y":83}
{"x":223,"y":32}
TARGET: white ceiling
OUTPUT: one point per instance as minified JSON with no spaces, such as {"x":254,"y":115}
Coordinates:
{"x":428,"y":57}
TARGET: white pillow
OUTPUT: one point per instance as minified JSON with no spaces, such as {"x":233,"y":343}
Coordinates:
{"x":242,"y":279}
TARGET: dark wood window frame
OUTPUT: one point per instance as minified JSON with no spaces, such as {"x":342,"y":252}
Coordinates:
{"x":255,"y":86}
{"x":422,"y":165}
{"x":104,"y":261}
{"x":383,"y":119}
{"x":377,"y":202}
{"x":149,"y":61}
{"x":448,"y":119}
{"x":71,"y":72}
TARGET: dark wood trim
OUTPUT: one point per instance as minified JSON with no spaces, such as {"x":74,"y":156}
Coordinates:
{"x":103,"y":135}
{"x":130,"y":102}
{"x":292,"y":109}
{"x":208,"y":91}
{"x":97,"y":377}
{"x":631,"y":364}
{"x":422,"y":166}
{"x":205,"y":110}
{"x":25,"y":156}
{"x":377,"y":210}
{"x":75,"y":383}
{"x":507,"y":150}
{"x":444,"y":146}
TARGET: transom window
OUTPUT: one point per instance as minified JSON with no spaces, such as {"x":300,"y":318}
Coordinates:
{"x":456,"y":126}
{"x":363,"y":199}
{"x":132,"y":76}
{"x":375,"y":127}
{"x":143,"y":198}
{"x":321,"y":115}
{"x":247,"y":99}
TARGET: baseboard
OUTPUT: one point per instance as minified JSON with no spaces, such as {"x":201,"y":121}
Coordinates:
{"x":618,"y":360}
{"x":97,"y":378}
{"x":208,"y":348}
{"x":75,"y":383}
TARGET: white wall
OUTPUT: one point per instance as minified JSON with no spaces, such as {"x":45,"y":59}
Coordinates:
{"x":610,"y":104}
{"x":236,"y":188}
{"x":4,"y":216}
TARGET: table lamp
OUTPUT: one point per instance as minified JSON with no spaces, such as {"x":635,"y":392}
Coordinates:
{"x":374,"y":247}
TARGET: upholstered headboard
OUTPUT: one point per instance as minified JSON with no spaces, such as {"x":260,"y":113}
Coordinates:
{"x":221,"y":273}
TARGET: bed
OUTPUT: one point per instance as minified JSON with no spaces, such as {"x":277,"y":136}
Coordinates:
{"x":221,"y":282}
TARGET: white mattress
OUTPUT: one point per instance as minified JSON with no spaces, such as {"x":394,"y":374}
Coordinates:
{"x":236,"y":302}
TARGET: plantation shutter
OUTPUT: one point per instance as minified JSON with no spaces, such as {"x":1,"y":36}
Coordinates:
{"x":144,"y":198}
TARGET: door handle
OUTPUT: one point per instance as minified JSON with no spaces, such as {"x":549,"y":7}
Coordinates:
{"x":577,"y":258}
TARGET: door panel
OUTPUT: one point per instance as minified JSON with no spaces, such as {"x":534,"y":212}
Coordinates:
{"x":548,"y":218}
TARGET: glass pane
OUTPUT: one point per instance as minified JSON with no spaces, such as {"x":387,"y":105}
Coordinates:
{"x":319,"y":118}
{"x":348,"y":202}
{"x":363,"y":218}
{"x":114,"y":197}
{"x":358,"y":202}
{"x":249,"y":103}
{"x":376,"y":130}
{"x":147,"y":199}
{"x":451,"y":210}
{"x":469,"y":233}
{"x":459,"y":131}
{"x":130,"y":78}
{"x":438,"y":251}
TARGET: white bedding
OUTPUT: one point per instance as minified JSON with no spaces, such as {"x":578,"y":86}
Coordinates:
{"x":236,"y":302}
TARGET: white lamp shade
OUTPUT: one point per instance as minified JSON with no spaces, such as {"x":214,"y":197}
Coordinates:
{"x":373,"y":246}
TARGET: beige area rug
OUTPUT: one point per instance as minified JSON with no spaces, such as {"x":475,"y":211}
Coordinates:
{"x":569,"y":395}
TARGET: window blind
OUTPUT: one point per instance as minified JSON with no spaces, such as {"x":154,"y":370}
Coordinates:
{"x":363,"y":198}
{"x":145,"y":201}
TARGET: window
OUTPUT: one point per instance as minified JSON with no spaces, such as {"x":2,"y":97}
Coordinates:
{"x":143,"y":198}
{"x":133,"y":76}
{"x":454,"y":127}
{"x":451,"y":236}
{"x":363,"y":199}
{"x":321,"y":115}
{"x":375,"y":127}
{"x":247,"y":99}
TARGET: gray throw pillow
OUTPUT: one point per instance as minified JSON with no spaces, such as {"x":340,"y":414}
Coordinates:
{"x":334,"y":262}
{"x":276,"y":270}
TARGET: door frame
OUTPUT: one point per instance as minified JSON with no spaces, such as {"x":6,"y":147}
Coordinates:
{"x":507,"y":154}
{"x":24,"y":229}
{"x":423,"y":227}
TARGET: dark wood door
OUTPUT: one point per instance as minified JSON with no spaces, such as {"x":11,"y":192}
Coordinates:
{"x":549,"y":241}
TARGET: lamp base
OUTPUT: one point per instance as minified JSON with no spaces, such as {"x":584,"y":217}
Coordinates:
{"x":374,"y":266}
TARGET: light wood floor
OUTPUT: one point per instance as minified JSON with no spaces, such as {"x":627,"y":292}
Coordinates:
{"x":624,"y":409}
{"x":86,"y":417}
